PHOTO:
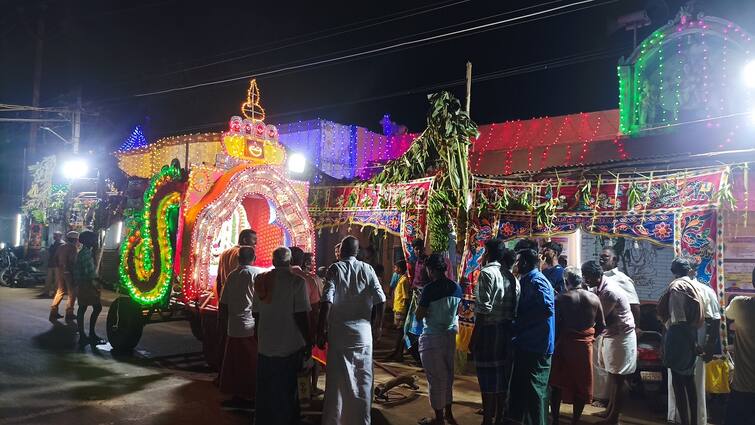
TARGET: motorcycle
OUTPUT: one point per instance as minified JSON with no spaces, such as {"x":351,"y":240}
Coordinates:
{"x":651,"y":380}
{"x":28,"y":274}
{"x":8,"y":262}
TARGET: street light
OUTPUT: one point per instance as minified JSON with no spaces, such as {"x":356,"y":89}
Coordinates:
{"x":297,"y":163}
{"x":75,"y":168}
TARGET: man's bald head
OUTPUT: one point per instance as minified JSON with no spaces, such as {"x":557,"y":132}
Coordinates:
{"x":349,"y":247}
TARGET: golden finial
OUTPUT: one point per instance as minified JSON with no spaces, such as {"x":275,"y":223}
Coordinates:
{"x":251,"y":109}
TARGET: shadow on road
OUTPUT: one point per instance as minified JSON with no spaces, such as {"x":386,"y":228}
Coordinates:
{"x":59,"y":338}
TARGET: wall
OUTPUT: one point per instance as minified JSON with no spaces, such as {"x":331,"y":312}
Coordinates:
{"x":646,"y":263}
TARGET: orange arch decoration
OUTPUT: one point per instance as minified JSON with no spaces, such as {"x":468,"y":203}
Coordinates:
{"x":203,"y":220}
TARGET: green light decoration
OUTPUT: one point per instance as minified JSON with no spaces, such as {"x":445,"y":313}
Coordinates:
{"x":678,"y":74}
{"x":146,"y":266}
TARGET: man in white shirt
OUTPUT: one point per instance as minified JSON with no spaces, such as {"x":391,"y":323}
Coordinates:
{"x":238,"y":374}
{"x":351,"y":318}
{"x":281,"y":308}
{"x":708,"y":340}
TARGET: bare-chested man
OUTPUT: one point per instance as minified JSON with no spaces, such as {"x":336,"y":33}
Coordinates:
{"x":579,"y":317}
{"x":617,"y":350}
{"x":609,"y":261}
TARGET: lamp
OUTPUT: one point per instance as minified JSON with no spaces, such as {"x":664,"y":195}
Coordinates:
{"x":75,"y":168}
{"x":297,"y":163}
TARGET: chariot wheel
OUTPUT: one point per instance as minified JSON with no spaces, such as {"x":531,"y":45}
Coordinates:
{"x":124,"y":324}
{"x":195,"y":322}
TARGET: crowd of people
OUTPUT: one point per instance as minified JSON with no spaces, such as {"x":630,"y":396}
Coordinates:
{"x":71,"y":270}
{"x":544,"y":333}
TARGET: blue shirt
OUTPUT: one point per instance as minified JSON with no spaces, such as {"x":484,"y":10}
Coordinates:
{"x":441,"y":298}
{"x":555,"y":276}
{"x":394,"y":280}
{"x":534,"y":326}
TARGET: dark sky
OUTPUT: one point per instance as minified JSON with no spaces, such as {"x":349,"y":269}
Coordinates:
{"x":114,"y":50}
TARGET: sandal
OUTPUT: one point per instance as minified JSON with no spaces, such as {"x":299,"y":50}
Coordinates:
{"x":426,"y":421}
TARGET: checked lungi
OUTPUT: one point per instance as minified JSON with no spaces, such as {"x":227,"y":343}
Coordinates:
{"x":492,"y":356}
{"x":437,"y":353}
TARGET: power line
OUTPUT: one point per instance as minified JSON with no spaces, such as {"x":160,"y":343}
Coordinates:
{"x":385,"y":48}
{"x":353,"y":49}
{"x":309,"y":38}
{"x":490,"y":76}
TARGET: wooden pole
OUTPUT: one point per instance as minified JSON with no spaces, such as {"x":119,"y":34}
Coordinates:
{"x":469,"y":86}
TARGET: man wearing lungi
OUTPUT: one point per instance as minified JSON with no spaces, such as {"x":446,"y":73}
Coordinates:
{"x":533,"y":340}
{"x":709,"y":340}
{"x":238,"y":374}
{"x":281,"y":307}
{"x":438,"y":311}
{"x":618,"y":348}
{"x":579,"y":316}
{"x":495,"y":303}
{"x":214,"y":331}
{"x":681,"y":310}
{"x":609,"y":261}
{"x":351,"y":318}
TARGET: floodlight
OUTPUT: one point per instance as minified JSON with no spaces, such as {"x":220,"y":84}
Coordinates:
{"x":75,"y":168}
{"x":297,"y":163}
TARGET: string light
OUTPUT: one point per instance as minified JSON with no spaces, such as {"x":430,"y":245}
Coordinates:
{"x":251,"y":108}
{"x":148,"y":246}
{"x":135,"y":140}
{"x":657,"y":92}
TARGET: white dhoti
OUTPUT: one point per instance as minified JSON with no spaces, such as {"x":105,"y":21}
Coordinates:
{"x":348,"y":382}
{"x":702,"y":414}
{"x":600,"y":388}
{"x":618,"y":354}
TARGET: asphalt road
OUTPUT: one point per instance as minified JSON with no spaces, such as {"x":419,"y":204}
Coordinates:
{"x":45,"y":378}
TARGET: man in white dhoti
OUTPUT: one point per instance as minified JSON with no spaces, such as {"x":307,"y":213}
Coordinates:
{"x":351,"y":317}
{"x":707,"y":338}
{"x":609,"y":262}
{"x":618,"y":346}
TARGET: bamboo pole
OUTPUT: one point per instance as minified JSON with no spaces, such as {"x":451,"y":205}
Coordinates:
{"x":469,"y":87}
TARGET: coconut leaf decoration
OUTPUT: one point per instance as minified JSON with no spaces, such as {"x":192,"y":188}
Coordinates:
{"x":442,"y":149}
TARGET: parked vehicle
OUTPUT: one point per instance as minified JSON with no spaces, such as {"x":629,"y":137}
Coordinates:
{"x":8,"y":262}
{"x":19,"y":273}
{"x":27,"y":273}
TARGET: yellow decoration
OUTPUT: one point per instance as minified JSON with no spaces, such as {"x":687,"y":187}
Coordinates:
{"x":254,"y":150}
{"x":251,"y":109}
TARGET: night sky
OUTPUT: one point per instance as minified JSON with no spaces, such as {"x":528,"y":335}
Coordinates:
{"x":115,"y":50}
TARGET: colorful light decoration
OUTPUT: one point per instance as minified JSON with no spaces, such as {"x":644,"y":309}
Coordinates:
{"x":135,"y":140}
{"x":671,"y":77}
{"x":217,"y":207}
{"x":251,"y":109}
{"x":146,"y":266}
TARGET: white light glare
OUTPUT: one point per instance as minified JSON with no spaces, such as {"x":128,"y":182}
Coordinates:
{"x":19,"y":218}
{"x":297,"y":163}
{"x":75,"y":169}
{"x":748,"y":73}
{"x":119,"y":232}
